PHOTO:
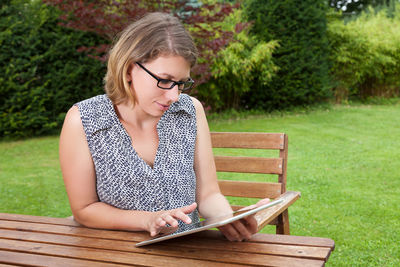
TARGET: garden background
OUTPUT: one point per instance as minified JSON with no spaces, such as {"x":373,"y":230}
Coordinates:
{"x":325,"y":72}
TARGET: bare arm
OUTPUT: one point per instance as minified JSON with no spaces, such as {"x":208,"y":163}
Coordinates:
{"x":80,"y":181}
{"x":209,"y":198}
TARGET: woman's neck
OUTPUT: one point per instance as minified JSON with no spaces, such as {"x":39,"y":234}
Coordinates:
{"x":131,"y":115}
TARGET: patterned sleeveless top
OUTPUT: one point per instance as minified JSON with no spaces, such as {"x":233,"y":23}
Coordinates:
{"x":123,"y":179}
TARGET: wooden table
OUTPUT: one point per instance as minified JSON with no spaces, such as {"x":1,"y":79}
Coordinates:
{"x":43,"y":241}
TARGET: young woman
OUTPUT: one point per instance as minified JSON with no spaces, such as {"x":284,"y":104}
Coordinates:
{"x":139,"y":157}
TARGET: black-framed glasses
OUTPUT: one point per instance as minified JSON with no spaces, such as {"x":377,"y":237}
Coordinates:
{"x":169,"y":84}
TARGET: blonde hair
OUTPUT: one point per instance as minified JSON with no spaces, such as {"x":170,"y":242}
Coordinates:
{"x":154,"y":35}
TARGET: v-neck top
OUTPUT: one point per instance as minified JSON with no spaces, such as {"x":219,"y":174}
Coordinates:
{"x":123,"y":179}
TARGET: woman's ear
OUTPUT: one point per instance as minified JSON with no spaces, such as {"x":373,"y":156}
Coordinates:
{"x":129,"y":73}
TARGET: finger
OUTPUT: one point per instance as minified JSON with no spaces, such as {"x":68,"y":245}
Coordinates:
{"x":251,"y":224}
{"x":258,"y":204}
{"x":178,"y":214}
{"x":242,"y":230}
{"x":229,"y":232}
{"x":262,"y":202}
{"x":160,"y":222}
{"x":189,"y":209}
{"x":154,"y":231}
{"x":248,"y":207}
{"x":170,"y":220}
{"x":159,"y":226}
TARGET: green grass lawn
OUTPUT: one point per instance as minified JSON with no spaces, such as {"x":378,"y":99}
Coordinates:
{"x":343,"y":159}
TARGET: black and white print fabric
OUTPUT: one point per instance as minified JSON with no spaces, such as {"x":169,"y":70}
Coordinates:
{"x":123,"y":179}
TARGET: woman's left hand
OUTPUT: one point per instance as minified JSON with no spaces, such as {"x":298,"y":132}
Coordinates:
{"x":240,"y":230}
{"x":243,"y":229}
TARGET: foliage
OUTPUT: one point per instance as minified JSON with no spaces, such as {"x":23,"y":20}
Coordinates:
{"x":41,"y":73}
{"x":365,"y":55}
{"x":300,"y":28}
{"x":107,"y":18}
{"x":238,"y":67}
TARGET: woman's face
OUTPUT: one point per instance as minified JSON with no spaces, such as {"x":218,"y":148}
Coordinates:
{"x":151,"y":99}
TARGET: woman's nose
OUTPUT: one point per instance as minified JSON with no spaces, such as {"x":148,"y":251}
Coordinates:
{"x":172,"y":94}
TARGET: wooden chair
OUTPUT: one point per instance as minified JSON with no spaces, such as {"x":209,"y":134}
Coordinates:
{"x":276,"y":215}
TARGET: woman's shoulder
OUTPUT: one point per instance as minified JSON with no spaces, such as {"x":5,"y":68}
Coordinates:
{"x":192,"y":105}
{"x":198,"y":106}
{"x":96,"y":106}
{"x":96,"y":113}
{"x":94,"y":101}
{"x":73,"y":118}
{"x":196,"y":103}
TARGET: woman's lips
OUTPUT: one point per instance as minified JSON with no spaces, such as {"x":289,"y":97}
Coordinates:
{"x":163,"y":107}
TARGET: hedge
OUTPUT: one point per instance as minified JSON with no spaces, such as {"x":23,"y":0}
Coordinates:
{"x":302,"y":55}
{"x":41,"y":72}
{"x":365,"y":53}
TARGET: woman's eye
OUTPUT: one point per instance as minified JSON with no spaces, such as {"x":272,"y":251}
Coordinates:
{"x":166,"y":82}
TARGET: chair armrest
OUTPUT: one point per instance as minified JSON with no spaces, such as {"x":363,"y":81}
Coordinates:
{"x":265,"y":216}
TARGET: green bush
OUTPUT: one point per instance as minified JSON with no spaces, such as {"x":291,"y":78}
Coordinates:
{"x":41,"y":72}
{"x":300,"y":28}
{"x":238,"y":68}
{"x":365,"y":55}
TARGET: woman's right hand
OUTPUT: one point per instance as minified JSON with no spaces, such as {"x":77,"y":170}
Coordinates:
{"x":160,"y":219}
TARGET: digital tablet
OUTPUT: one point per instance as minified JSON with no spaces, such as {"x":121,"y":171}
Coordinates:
{"x":207,"y":224}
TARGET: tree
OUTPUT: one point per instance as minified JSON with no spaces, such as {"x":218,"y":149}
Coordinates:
{"x":365,"y":55}
{"x":300,"y":29}
{"x":106,"y":18}
{"x":235,"y":70}
{"x":41,"y":72}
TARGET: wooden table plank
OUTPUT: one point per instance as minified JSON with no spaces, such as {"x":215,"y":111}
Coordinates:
{"x":73,"y":230}
{"x":298,"y":240}
{"x":255,"y":247}
{"x":24,"y":259}
{"x":38,"y":219}
{"x":210,"y":253}
{"x":250,"y":247}
{"x":107,"y":256}
{"x":278,"y":239}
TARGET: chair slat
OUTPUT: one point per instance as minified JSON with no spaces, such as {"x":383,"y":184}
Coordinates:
{"x":248,"y":164}
{"x":250,"y":189}
{"x":261,"y":165}
{"x":248,"y":140}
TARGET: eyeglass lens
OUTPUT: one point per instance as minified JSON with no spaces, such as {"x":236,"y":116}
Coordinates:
{"x":168,"y":84}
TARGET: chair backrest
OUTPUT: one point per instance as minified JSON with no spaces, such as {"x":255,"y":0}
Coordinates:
{"x":249,"y":164}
